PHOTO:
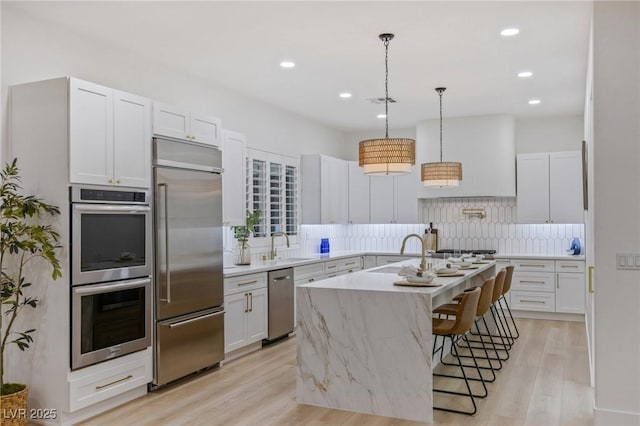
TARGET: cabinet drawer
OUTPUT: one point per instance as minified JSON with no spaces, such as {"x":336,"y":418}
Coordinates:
{"x":532,"y":281}
{"x":309,"y":279}
{"x":311,"y":270}
{"x":533,"y":265}
{"x":569,"y":266}
{"x":331,"y":266}
{"x":108,"y":379}
{"x":533,"y":301}
{"x":245,"y":282}
{"x":350,"y":264}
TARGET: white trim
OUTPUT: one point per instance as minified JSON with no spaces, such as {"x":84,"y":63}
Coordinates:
{"x":604,"y":417}
{"x":555,"y":316}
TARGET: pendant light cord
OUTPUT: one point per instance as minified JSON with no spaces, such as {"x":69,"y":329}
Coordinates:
{"x":386,"y":88}
{"x":440,"y":93}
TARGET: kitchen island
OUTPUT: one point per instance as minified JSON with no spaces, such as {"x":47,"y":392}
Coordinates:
{"x":364,"y":344}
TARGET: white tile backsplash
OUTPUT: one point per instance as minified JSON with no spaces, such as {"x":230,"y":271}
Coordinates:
{"x":497,"y":230}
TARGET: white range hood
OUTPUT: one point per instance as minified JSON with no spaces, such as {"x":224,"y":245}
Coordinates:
{"x":485,"y":145}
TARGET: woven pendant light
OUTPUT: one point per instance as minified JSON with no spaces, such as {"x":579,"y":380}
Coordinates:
{"x":441,"y":174}
{"x":387,"y":156}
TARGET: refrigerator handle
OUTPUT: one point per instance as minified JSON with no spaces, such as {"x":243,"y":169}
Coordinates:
{"x":166,"y":242}
{"x":188,"y":321}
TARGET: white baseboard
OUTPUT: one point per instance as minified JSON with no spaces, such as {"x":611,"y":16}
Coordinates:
{"x":615,"y":418}
{"x":554,"y":316}
{"x":230,"y":356}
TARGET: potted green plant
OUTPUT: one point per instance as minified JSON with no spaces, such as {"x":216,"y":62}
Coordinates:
{"x":242,"y":234}
{"x":24,"y":238}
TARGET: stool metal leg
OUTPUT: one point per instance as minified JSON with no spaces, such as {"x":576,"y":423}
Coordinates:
{"x":466,"y":381}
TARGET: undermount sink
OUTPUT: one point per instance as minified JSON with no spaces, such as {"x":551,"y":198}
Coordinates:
{"x":387,"y":270}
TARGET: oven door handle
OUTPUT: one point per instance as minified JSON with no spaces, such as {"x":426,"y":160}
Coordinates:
{"x":102,"y":288}
{"x":93,"y":208}
{"x":166,"y":241}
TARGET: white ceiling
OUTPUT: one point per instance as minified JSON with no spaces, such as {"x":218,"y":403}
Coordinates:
{"x":335,"y":45}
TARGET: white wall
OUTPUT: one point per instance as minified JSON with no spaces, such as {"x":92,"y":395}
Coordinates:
{"x":542,"y":134}
{"x":36,"y":50}
{"x":616,"y":51}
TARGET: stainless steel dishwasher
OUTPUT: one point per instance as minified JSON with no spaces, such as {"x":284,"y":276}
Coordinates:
{"x":280,"y":298}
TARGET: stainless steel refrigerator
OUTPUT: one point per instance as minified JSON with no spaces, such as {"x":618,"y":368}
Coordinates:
{"x":189,"y":311}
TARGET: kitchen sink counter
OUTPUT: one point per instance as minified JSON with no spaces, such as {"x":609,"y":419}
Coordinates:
{"x":270,"y":265}
{"x":364,"y":344}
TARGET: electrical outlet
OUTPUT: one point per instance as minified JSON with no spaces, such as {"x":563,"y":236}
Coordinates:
{"x":628,"y":261}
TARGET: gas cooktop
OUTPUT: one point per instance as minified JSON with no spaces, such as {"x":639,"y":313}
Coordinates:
{"x":465,"y":251}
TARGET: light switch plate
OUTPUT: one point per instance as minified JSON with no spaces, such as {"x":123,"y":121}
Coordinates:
{"x":628,"y":261}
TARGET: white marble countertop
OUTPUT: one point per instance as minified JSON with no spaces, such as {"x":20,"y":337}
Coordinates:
{"x":538,"y":256}
{"x":270,"y":265}
{"x":373,"y":280}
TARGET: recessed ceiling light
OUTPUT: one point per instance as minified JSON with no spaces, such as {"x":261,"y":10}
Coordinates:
{"x":287,"y":64}
{"x":345,"y":95}
{"x":525,"y":74}
{"x":534,"y":101}
{"x":508,"y":32}
{"x":382,"y":116}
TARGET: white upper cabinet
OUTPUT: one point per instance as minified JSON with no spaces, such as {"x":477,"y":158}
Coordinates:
{"x":234,"y":155}
{"x":395,"y":199}
{"x":550,"y":187}
{"x":533,"y":188}
{"x":131,"y":139}
{"x":358,"y":194}
{"x":382,"y":199}
{"x":406,"y":196}
{"x":182,"y":124}
{"x":325,"y":190}
{"x":485,"y":145}
{"x":109,"y":136}
{"x":565,"y":187}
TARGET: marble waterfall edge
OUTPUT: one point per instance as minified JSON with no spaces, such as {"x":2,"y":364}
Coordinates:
{"x":353,"y":358}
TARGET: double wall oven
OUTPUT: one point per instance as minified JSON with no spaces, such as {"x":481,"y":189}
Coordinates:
{"x":111,"y":264}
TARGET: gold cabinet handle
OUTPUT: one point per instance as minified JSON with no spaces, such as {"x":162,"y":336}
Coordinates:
{"x":110,"y":180}
{"x":591,"y":279}
{"x":246,"y":299}
{"x":117,"y":180}
{"x":114,"y":382}
{"x":251,"y":301}
{"x":557,"y":280}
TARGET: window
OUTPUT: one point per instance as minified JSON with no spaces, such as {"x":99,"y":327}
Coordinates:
{"x":291,"y":200}
{"x":272,"y":187}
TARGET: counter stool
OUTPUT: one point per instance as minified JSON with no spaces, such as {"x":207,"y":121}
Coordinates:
{"x":484,"y":303}
{"x":504,"y":341}
{"x":505,"y":290}
{"x":457,"y":329}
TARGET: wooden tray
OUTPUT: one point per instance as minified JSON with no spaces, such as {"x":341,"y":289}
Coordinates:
{"x":416,"y":284}
{"x":470,"y":267}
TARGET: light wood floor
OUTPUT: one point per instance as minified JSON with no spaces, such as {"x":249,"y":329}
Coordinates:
{"x":546,"y":382}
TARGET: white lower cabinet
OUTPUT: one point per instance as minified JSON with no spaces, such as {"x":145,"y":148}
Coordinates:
{"x":546,"y":285}
{"x":570,"y":287}
{"x":245,"y":303}
{"x":533,"y":301}
{"x":108,"y":379}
